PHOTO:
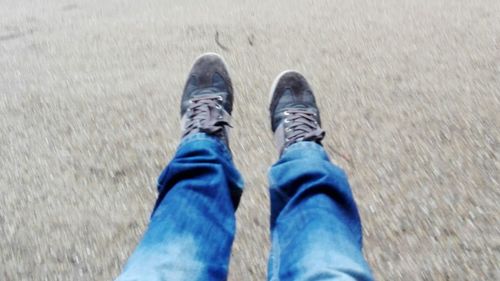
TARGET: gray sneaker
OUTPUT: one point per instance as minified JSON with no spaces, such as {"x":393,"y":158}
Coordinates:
{"x":207,"y":100}
{"x":294,"y":113}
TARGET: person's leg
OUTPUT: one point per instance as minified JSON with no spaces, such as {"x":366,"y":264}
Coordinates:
{"x":192,"y":226}
{"x":315,"y":225}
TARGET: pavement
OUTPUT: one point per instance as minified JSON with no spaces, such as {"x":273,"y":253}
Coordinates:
{"x":410,"y":98}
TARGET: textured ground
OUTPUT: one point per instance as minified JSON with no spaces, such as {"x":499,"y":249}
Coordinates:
{"x":410,"y":94}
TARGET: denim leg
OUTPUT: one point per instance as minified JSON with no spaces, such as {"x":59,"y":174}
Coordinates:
{"x":192,"y":226}
{"x":315,"y":225}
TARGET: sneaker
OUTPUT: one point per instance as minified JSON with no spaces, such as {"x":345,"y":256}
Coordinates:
{"x":294,"y":113}
{"x":207,"y":100}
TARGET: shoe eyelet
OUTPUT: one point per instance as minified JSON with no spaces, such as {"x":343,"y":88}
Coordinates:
{"x":190,"y":101}
{"x":218,"y":106}
{"x":286,"y":113}
{"x":286,"y":121}
{"x":220,"y":98}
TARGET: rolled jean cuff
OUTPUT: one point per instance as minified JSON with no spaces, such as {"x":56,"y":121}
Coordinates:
{"x":305,"y":149}
{"x":214,"y":142}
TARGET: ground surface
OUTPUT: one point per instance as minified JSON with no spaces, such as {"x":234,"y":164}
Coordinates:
{"x":410,"y":93}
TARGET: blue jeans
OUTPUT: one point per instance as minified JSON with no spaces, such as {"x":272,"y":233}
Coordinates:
{"x":316,"y":229}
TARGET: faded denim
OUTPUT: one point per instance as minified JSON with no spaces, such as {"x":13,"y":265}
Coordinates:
{"x":315,"y":226}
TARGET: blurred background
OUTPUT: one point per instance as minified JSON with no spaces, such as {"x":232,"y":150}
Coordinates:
{"x":89,"y":100}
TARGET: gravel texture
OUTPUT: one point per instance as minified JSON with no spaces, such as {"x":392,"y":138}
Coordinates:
{"x":410,"y":98}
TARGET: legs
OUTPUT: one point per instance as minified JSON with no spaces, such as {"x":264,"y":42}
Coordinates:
{"x":315,"y":226}
{"x":316,"y":230}
{"x":192,"y":227}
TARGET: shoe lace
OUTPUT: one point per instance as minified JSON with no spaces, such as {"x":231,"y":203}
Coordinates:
{"x":303,"y":126}
{"x":205,"y":114}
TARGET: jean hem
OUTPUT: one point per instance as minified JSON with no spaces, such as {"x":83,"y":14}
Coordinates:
{"x":206,"y":137}
{"x":304,"y":146}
